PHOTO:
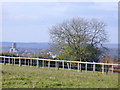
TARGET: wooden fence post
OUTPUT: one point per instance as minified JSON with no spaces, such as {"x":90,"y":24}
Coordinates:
{"x":78,"y":67}
{"x":30,"y":62}
{"x":4,"y":61}
{"x":112,"y":68}
{"x":56,"y":64}
{"x":14,"y":60}
{"x":9,"y":60}
{"x":19,"y":61}
{"x":102,"y":68}
{"x":42,"y":63}
{"x":68,"y":65}
{"x":63,"y":64}
{"x":93,"y":67}
{"x":86,"y":67}
{"x":37,"y":63}
{"x":48,"y":63}
{"x":25,"y":62}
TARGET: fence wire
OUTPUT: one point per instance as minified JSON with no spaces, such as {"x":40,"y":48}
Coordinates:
{"x":80,"y":66}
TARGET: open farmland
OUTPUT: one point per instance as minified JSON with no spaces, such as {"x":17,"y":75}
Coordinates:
{"x":33,"y":77}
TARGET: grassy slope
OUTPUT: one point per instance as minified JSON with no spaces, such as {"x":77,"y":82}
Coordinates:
{"x":32,"y":77}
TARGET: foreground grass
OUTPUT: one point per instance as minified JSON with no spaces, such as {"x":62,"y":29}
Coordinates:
{"x":32,"y":77}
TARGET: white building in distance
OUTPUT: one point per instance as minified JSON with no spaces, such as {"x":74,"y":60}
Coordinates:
{"x":13,"y":49}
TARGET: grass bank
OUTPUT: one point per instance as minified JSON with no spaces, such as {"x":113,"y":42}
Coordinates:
{"x":32,"y":77}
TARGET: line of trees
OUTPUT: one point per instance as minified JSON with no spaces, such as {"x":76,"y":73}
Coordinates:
{"x":42,"y":55}
{"x":9,"y":54}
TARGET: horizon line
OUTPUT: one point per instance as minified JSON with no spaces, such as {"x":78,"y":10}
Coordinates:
{"x":44,"y":42}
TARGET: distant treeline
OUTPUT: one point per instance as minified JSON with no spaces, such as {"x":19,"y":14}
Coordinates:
{"x":9,"y":54}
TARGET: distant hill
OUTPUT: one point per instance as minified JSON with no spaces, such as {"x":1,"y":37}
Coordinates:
{"x":113,"y":48}
{"x":43,"y":45}
{"x":26,"y":45}
{"x":111,"y":45}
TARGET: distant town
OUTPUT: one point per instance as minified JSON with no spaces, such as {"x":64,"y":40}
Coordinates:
{"x":25,"y":51}
{"x":35,"y":49}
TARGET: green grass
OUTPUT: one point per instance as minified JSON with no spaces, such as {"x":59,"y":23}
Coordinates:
{"x":32,"y":77}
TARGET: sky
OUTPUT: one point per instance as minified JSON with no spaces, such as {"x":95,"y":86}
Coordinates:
{"x":30,"y":21}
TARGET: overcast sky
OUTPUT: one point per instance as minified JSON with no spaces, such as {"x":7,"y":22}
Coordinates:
{"x":30,"y":22}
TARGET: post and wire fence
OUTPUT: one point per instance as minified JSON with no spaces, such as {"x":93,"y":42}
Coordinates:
{"x":64,"y":64}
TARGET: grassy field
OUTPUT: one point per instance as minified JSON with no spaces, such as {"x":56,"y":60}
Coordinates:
{"x":32,"y":77}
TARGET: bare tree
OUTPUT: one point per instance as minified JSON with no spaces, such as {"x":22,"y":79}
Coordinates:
{"x":73,"y":36}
